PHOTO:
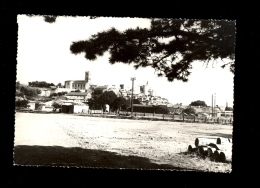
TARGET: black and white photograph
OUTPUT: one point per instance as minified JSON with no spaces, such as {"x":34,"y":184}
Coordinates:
{"x":124,"y":93}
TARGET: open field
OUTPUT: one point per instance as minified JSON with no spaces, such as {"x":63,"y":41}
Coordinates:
{"x":71,"y":140}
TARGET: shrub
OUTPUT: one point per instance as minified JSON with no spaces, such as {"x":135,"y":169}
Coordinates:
{"x":21,"y":103}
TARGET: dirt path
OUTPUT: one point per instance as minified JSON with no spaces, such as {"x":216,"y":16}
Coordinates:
{"x":159,"y":141}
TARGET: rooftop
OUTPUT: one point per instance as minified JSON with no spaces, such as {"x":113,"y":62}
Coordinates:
{"x":100,"y":87}
{"x":77,"y":93}
{"x":76,"y":81}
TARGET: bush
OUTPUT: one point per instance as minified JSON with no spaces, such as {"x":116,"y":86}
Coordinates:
{"x":19,"y":94}
{"x":189,"y":111}
{"x":29,"y":91}
{"x":21,"y":103}
{"x":37,"y":105}
{"x":56,"y":105}
{"x":53,"y":95}
{"x":62,"y":93}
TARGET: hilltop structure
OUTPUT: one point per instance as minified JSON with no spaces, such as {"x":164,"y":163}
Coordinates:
{"x":144,"y":94}
{"x":78,"y":84}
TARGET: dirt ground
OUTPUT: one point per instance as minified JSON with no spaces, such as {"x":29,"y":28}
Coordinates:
{"x":72,"y":140}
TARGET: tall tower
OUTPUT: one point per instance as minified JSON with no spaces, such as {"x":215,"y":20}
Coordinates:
{"x":226,"y":103}
{"x":87,"y":76}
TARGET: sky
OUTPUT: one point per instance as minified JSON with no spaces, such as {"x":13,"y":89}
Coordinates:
{"x":43,"y":54}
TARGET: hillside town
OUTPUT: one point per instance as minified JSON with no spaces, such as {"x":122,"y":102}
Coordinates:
{"x":74,"y":97}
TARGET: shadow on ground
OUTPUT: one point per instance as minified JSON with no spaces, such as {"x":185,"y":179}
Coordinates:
{"x":79,"y":157}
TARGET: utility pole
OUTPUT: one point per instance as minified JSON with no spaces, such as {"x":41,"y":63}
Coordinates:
{"x":133,"y":79}
{"x":212,"y":105}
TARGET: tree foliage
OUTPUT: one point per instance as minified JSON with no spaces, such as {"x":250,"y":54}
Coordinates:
{"x":169,"y":45}
{"x":56,"y":105}
{"x":151,"y":109}
{"x":40,"y":84}
{"x":49,"y":18}
{"x":120,"y":103}
{"x":107,"y":97}
{"x":37,"y":105}
{"x":59,"y":85}
{"x":161,"y":110}
{"x":18,"y":85}
{"x":189,"y":111}
{"x":228,"y":109}
{"x":98,"y":100}
{"x":198,"y":103}
{"x":29,"y":91}
{"x":21,"y":103}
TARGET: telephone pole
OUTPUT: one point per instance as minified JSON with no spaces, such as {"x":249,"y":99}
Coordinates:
{"x":212,"y":105}
{"x":133,"y":79}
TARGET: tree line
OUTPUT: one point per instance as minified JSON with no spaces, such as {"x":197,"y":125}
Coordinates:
{"x":26,"y":91}
{"x":99,"y":100}
{"x":41,"y":84}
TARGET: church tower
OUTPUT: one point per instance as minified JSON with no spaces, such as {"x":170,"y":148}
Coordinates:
{"x":87,"y":79}
{"x":87,"y":76}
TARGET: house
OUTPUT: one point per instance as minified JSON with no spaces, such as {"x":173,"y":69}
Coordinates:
{"x":78,"y":96}
{"x":123,"y":92}
{"x":114,"y":89}
{"x":74,"y":107}
{"x":202,"y":111}
{"x":177,"y":108}
{"x":227,"y":114}
{"x":31,"y":105}
{"x":45,"y":92}
{"x":59,"y":90}
{"x":207,"y":111}
{"x":225,"y":111}
{"x":47,"y":106}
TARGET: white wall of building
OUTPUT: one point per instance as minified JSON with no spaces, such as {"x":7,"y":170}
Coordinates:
{"x":81,"y":109}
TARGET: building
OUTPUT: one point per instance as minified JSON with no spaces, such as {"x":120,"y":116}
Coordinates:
{"x":123,"y":92}
{"x":122,"y":86}
{"x":46,"y":108}
{"x":59,"y":90}
{"x":78,"y":96}
{"x":206,"y":111}
{"x":31,"y":105}
{"x":114,"y":89}
{"x":45,"y":92}
{"x":178,"y":108}
{"x":78,"y":84}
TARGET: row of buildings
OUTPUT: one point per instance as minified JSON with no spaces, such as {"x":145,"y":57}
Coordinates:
{"x":84,"y":88}
{"x":143,"y":93}
{"x":69,"y":106}
{"x":202,"y":111}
